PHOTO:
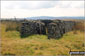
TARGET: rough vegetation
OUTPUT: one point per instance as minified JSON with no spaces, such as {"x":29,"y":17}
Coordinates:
{"x":13,"y":44}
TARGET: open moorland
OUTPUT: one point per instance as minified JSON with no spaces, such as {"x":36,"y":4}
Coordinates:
{"x":13,"y":44}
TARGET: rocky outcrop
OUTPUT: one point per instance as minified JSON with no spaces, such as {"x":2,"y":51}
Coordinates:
{"x":51,"y":28}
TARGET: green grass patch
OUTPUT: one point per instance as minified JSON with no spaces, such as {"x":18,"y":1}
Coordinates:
{"x":13,"y":44}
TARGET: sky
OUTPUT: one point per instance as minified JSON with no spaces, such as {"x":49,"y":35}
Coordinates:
{"x":23,"y":9}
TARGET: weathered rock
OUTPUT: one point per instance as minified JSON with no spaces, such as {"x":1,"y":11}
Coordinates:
{"x":52,"y":28}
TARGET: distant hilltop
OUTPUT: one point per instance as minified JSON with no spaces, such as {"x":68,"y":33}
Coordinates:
{"x":49,"y":17}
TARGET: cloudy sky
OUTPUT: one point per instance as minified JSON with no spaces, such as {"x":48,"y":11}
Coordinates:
{"x":22,"y":9}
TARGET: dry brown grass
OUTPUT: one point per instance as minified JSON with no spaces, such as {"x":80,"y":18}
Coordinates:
{"x":13,"y":44}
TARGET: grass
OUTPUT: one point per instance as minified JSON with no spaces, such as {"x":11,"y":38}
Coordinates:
{"x":13,"y":44}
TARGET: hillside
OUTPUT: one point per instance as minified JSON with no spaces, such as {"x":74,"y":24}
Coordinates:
{"x":13,"y":44}
{"x":51,"y":17}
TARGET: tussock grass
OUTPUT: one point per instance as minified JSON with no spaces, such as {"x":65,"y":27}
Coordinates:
{"x":13,"y":44}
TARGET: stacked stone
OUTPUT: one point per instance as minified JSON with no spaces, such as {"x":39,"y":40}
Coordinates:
{"x":40,"y":27}
{"x":32,"y":27}
{"x":52,"y":28}
{"x":68,"y":26}
{"x":56,"y":29}
{"x":28,"y":28}
{"x":53,"y":31}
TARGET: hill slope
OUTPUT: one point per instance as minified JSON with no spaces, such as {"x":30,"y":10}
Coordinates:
{"x":12,"y":44}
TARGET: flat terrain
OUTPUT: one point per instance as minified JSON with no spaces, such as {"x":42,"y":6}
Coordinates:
{"x":13,"y":44}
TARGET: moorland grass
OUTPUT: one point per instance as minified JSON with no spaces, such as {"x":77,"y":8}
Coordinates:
{"x":13,"y":44}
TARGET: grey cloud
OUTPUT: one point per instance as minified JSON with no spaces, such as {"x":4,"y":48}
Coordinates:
{"x":40,"y":4}
{"x":71,"y":4}
{"x":31,"y":5}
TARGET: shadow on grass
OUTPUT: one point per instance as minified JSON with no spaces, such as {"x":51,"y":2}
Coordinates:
{"x":40,"y":35}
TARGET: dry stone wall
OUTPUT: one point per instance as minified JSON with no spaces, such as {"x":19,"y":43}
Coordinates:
{"x":51,"y":28}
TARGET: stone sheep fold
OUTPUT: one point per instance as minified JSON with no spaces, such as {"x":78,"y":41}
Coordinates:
{"x":51,"y":28}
